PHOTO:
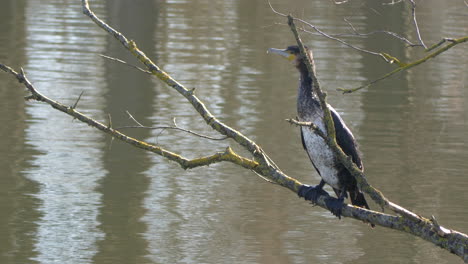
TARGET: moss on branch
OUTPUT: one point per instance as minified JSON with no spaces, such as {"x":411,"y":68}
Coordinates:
{"x":406,"y":221}
{"x":406,"y":66}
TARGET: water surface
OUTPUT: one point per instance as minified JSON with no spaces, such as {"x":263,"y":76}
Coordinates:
{"x":73,"y":195}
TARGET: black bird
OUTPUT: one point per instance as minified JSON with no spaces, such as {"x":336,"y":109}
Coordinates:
{"x":322,"y":156}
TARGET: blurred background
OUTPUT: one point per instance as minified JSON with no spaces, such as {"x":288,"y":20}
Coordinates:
{"x":70,"y":194}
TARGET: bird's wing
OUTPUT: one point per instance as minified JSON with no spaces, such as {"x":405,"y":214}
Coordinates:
{"x":345,"y":138}
{"x":302,"y":139}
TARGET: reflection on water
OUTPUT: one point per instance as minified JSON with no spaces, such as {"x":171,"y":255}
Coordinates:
{"x":18,"y":209}
{"x":67,"y":168}
{"x":75,"y":196}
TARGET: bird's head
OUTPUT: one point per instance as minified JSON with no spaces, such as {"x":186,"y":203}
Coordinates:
{"x":292,"y":53}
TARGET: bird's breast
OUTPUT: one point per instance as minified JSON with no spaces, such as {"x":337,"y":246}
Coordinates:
{"x":321,"y":154}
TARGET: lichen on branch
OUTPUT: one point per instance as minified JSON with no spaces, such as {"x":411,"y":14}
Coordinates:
{"x":260,"y":162}
{"x":412,"y":223}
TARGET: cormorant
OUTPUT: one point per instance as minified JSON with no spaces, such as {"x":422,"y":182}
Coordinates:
{"x":322,"y":156}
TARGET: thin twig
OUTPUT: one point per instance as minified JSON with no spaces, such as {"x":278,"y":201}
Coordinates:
{"x":125,"y":63}
{"x":340,"y":2}
{"x":264,"y":178}
{"x":438,"y":44}
{"x":175,"y":127}
{"x":328,"y":35}
{"x":407,"y":66}
{"x":442,"y":231}
{"x":109,"y":121}
{"x":134,"y":120}
{"x":77,"y":100}
{"x":393,"y":2}
{"x":276,"y":12}
{"x":339,"y":40}
{"x":393,"y":34}
{"x":357,"y":34}
{"x":310,"y":125}
{"x":413,"y":12}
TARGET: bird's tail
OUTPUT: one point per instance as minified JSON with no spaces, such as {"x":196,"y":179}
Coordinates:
{"x":357,"y":198}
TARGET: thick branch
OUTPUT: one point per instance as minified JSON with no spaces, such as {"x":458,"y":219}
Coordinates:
{"x":263,"y":165}
{"x":163,"y":76}
{"x":266,"y":166}
{"x":185,"y":163}
{"x":425,"y":229}
{"x":375,"y":194}
{"x":413,"y":223}
{"x":315,"y":85}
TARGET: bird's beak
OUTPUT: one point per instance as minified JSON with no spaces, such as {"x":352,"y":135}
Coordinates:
{"x":283,"y":53}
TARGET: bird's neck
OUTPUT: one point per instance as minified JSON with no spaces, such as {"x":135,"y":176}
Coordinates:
{"x":307,"y":101}
{"x":306,"y":84}
{"x":306,"y":80}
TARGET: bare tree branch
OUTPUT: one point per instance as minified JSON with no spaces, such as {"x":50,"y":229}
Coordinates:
{"x":438,"y":44}
{"x":361,"y":180}
{"x":134,"y":120}
{"x":125,"y":63}
{"x":357,"y":173}
{"x":393,"y":2}
{"x":393,"y":34}
{"x":109,"y":123}
{"x":340,"y":2}
{"x":407,"y":66}
{"x":174,"y":127}
{"x":451,"y":240}
{"x":396,"y":208}
{"x":163,"y":76}
{"x":310,"y":125}
{"x":77,"y":100}
{"x":261,"y":164}
{"x":328,"y":35}
{"x":227,"y":155}
{"x":330,"y":128}
{"x":413,"y":12}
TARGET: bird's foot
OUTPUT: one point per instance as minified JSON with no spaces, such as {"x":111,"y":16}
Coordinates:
{"x":311,"y":193}
{"x":335,"y":206}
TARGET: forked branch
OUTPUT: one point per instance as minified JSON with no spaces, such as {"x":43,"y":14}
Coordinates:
{"x":361,"y":180}
{"x":401,"y":66}
{"x":227,"y":155}
{"x":261,"y":164}
{"x":406,"y":66}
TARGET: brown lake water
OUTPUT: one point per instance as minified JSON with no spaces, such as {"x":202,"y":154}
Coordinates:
{"x":70,"y":194}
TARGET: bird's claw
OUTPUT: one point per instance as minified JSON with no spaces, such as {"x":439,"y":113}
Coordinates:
{"x":335,"y":206}
{"x":311,"y":193}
